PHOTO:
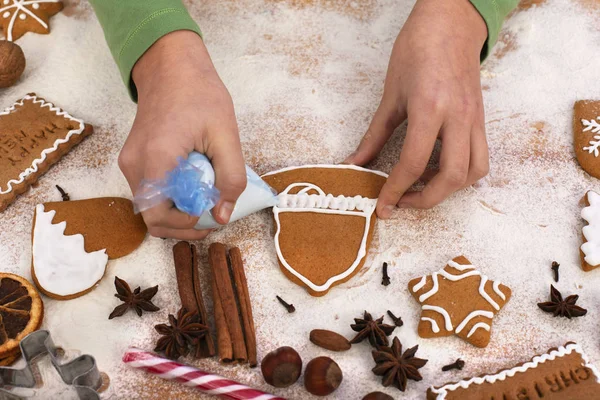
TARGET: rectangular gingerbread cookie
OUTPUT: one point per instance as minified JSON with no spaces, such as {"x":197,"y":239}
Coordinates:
{"x":563,"y":373}
{"x":34,"y":135}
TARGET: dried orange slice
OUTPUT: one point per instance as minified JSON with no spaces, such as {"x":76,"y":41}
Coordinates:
{"x":21,"y":312}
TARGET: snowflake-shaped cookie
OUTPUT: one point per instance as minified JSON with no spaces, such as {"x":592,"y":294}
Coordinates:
{"x":18,"y":17}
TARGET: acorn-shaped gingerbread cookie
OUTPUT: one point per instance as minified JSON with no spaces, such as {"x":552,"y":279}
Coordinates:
{"x":324,"y":222}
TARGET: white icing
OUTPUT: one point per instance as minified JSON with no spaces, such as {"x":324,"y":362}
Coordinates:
{"x":478,"y":325}
{"x":594,"y":127}
{"x":420,"y":284}
{"x":34,"y":165}
{"x":496,"y":287}
{"x":455,"y":278}
{"x":328,"y":166}
{"x":484,"y":294}
{"x":460,"y":267}
{"x":431,"y":291}
{"x":440,"y":310}
{"x":473,"y":314}
{"x":591,"y":232}
{"x":323,"y":204}
{"x":442,"y":391}
{"x":19,"y":6}
{"x":434,"y":326}
{"x":61,"y":264}
{"x":6,"y":14}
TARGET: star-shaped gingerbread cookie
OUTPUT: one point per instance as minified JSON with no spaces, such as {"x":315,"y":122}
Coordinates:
{"x":458,"y":300}
{"x":18,"y":17}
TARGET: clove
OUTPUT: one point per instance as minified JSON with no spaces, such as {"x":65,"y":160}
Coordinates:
{"x":386,"y":279}
{"x":289,"y":307}
{"x":555,"y":267}
{"x":458,"y":364}
{"x":63,"y":194}
{"x":397,"y":320}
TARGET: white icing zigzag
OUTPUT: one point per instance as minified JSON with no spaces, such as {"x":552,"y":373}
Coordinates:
{"x":594,"y":127}
{"x":442,"y":392}
{"x":34,"y":165}
{"x":591,"y":232}
{"x":60,"y":262}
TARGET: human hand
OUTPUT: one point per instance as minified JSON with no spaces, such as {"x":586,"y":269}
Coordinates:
{"x":433,"y":81}
{"x":182,"y":106}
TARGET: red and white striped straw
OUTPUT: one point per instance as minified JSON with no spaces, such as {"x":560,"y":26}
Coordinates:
{"x":193,"y":377}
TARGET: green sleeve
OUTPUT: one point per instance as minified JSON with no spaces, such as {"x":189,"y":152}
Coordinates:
{"x":493,"y":12}
{"x":132,"y":26}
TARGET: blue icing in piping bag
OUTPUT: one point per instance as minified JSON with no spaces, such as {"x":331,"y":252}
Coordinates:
{"x":190,"y":186}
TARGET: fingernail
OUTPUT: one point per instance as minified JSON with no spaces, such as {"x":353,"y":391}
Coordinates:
{"x":225,"y":211}
{"x":386,"y":212}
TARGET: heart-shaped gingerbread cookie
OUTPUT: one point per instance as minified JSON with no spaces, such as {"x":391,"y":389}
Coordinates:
{"x":324,"y":222}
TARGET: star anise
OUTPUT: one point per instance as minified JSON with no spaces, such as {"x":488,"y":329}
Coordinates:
{"x":181,"y":333}
{"x":397,"y":368}
{"x":138,"y":299}
{"x":560,"y":307}
{"x":373,"y":329}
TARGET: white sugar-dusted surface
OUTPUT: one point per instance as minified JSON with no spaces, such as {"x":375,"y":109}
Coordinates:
{"x":306,"y":77}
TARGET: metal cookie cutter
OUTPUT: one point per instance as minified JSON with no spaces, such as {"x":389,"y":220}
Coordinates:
{"x":81,"y":372}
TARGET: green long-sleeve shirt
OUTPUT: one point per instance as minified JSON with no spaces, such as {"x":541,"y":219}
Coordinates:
{"x":132,"y":26}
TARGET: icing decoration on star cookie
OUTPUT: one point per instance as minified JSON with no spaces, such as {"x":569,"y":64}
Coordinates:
{"x":35,"y":135}
{"x":563,"y":373}
{"x":460,"y":300}
{"x":18,"y":17}
{"x":314,"y":202}
{"x":61,"y":268}
{"x":590,"y":249}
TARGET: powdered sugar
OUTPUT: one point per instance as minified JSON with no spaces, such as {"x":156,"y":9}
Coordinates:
{"x":306,"y":77}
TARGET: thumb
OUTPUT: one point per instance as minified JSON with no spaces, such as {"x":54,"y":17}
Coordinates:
{"x":386,"y":119}
{"x":225,"y":153}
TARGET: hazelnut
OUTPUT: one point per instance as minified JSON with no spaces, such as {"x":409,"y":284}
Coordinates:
{"x":322,"y":376}
{"x":377,"y":396}
{"x":12,"y":63}
{"x":282,"y":367}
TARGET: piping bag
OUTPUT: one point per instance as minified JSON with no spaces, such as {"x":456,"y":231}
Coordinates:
{"x":190,"y":186}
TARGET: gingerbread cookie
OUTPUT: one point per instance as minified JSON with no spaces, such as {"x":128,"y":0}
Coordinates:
{"x":324,"y":222}
{"x":458,"y":300}
{"x":35,"y":134}
{"x":590,"y":249}
{"x":18,"y":17}
{"x":563,"y":373}
{"x":586,"y":135}
{"x":73,"y":241}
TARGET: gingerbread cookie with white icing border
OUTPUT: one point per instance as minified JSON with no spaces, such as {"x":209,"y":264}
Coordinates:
{"x":34,"y":135}
{"x":18,"y":17}
{"x":458,"y":300}
{"x":590,"y":249}
{"x":563,"y":373}
{"x":586,"y":135}
{"x":324,"y":222}
{"x":72,"y":242}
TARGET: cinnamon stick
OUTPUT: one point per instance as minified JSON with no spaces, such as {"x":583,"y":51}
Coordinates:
{"x":190,"y":292}
{"x":243,"y":297}
{"x":223,"y":293}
